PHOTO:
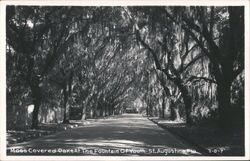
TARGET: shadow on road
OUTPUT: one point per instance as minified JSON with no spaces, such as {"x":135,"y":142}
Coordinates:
{"x":128,"y":134}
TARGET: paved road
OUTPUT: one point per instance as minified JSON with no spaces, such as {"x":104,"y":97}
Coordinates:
{"x":126,"y":135}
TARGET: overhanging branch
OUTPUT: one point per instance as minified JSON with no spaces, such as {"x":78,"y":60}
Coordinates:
{"x":195,"y":78}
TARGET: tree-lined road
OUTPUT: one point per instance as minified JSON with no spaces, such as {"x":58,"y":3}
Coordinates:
{"x":68,"y":63}
{"x":127,"y":134}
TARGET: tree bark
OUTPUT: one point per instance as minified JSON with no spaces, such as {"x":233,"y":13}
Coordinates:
{"x":163,"y":107}
{"x":95,"y":115}
{"x":100,"y":107}
{"x":66,"y":95}
{"x":37,"y":99}
{"x":112,"y":111}
{"x":83,"y":113}
{"x":65,"y":106}
{"x":224,"y":103}
{"x":37,"y":104}
{"x":172,"y":111}
{"x":187,"y":99}
{"x":105,"y":110}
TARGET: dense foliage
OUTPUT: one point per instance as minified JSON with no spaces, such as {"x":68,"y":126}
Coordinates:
{"x":178,"y":63}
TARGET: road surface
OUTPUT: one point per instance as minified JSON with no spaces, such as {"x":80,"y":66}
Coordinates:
{"x":124,"y":135}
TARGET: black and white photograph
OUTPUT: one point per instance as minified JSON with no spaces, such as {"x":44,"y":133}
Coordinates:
{"x":127,"y":81}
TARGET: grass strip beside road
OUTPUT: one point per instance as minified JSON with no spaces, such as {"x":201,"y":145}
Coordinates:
{"x":210,"y":141}
{"x":18,"y":136}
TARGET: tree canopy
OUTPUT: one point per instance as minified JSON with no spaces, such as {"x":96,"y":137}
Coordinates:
{"x":98,"y":61}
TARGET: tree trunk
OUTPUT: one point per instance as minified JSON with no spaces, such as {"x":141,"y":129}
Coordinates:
{"x":65,"y":106}
{"x":187,"y":99}
{"x":112,"y":111}
{"x":83,"y":112}
{"x":147,"y":110}
{"x":85,"y":104}
{"x":224,"y":96}
{"x":188,"y":106}
{"x":37,"y":104}
{"x":95,"y":111}
{"x":105,"y":109}
{"x":163,"y":107}
{"x":150,"y":110}
{"x":178,"y":117}
{"x":37,"y":99}
{"x":67,"y":83}
{"x":172,"y":111}
{"x":100,"y":106}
